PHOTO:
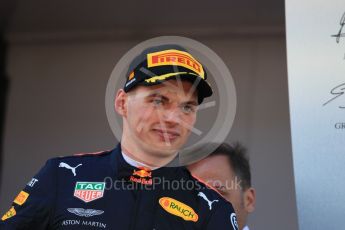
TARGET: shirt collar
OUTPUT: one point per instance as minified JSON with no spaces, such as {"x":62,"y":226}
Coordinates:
{"x":135,"y":163}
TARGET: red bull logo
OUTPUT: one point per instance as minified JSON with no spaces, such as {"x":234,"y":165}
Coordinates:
{"x":142,"y":176}
{"x":142,"y":173}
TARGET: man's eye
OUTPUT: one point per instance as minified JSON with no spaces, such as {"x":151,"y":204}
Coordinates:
{"x":188,"y":109}
{"x":157,"y":101}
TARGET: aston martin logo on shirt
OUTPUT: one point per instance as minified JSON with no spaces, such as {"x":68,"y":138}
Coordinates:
{"x":85,"y":212}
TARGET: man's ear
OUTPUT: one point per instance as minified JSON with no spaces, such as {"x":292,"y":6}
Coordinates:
{"x":249,"y":200}
{"x":121,"y":102}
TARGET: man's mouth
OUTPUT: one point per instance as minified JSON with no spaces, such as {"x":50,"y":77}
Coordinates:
{"x":166,"y":134}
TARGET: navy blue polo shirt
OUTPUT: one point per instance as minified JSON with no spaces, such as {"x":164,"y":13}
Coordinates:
{"x":102,"y":191}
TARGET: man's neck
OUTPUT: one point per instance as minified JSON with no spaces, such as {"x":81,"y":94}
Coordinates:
{"x":136,"y":163}
{"x":145,"y":158}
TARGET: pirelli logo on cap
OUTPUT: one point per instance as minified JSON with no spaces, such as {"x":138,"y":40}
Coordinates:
{"x":175,"y":57}
{"x":178,"y":208}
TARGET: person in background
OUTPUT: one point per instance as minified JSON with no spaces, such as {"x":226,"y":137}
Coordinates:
{"x":227,"y":169}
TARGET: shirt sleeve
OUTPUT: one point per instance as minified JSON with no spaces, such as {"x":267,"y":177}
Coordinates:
{"x":223,"y":218}
{"x":33,"y":206}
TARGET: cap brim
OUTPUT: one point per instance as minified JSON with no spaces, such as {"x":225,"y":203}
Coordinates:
{"x":203,"y":87}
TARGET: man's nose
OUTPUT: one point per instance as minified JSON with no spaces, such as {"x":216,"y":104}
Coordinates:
{"x":172,"y":115}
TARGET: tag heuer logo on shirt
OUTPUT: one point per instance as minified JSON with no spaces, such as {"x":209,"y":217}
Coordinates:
{"x":89,"y":191}
{"x":178,"y":208}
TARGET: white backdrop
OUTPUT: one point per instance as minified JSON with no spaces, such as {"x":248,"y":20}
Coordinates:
{"x":316,"y":67}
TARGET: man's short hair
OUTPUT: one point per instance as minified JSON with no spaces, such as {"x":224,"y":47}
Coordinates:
{"x":238,"y":160}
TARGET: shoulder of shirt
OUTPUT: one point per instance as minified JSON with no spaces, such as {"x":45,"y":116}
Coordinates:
{"x":82,"y":156}
{"x":208,"y":190}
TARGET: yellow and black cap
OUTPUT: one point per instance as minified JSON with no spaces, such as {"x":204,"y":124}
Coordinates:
{"x":161,"y":63}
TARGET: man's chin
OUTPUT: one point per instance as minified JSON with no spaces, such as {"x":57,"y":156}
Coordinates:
{"x":164,"y":148}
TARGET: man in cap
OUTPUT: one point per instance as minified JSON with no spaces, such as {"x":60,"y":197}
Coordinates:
{"x":227,"y":169}
{"x":130,"y":187}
